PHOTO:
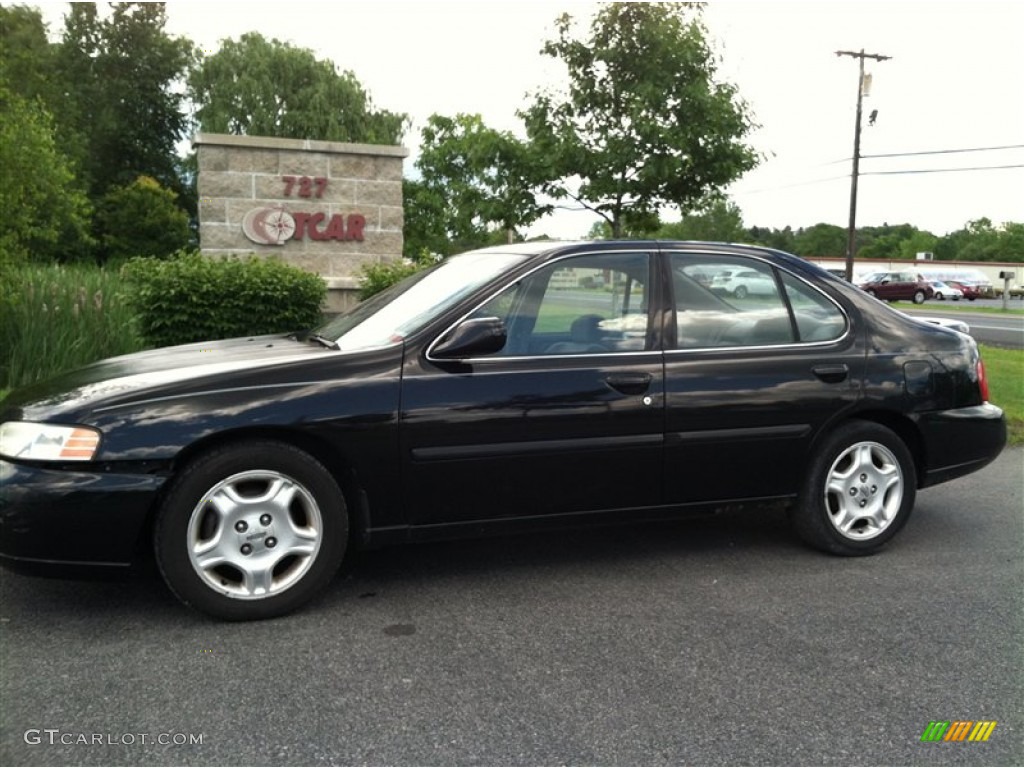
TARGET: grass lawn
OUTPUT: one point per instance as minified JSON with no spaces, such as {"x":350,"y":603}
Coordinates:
{"x":956,"y":306}
{"x":1005,"y":371}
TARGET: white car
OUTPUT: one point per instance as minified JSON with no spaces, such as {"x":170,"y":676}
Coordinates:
{"x":744,"y":282}
{"x":945,"y":291}
{"x":945,"y":322}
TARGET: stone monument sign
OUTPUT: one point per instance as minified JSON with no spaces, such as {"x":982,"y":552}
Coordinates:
{"x":325,"y":206}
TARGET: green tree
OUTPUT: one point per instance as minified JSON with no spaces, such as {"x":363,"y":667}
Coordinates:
{"x":721,"y":220}
{"x":425,"y":229}
{"x":142,"y":219}
{"x":886,"y":241}
{"x":485,"y":178}
{"x":635,"y":225}
{"x":1011,"y":242}
{"x":261,"y":87}
{"x":820,"y":240}
{"x":780,"y":239}
{"x":26,"y":56}
{"x":919,"y":242}
{"x":644,"y":122}
{"x":48,"y":214}
{"x":981,"y":240}
{"x":121,"y":108}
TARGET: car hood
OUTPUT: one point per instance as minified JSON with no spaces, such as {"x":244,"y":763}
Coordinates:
{"x":142,"y":373}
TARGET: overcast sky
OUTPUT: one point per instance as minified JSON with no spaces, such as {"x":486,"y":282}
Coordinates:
{"x":955,"y":81}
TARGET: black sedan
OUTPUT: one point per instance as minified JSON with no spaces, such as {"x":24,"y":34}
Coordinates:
{"x":521,"y":387}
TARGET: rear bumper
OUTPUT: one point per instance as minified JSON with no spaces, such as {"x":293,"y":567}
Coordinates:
{"x":960,"y":441}
{"x":61,"y":521}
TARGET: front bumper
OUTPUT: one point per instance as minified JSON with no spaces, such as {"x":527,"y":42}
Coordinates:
{"x":64,"y":519}
{"x":960,"y":441}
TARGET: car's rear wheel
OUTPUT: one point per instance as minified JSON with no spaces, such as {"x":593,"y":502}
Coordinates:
{"x":919,"y":297}
{"x":859,"y":491}
{"x":251,"y":531}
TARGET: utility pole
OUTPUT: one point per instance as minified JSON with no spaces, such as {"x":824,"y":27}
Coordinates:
{"x":852,"y":231}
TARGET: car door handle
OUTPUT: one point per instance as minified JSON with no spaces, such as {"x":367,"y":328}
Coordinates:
{"x":831,"y":374}
{"x":630,"y":383}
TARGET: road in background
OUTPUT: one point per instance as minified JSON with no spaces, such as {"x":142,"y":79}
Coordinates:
{"x":717,"y":641}
{"x":987,"y":328}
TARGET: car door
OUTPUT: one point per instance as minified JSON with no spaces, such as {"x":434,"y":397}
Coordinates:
{"x":750,"y":382}
{"x":567,"y":418}
{"x":887,"y":289}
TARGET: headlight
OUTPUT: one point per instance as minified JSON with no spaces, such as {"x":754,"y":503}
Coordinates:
{"x":48,"y":442}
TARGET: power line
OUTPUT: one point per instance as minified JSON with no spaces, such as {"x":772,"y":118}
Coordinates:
{"x":742,"y":192}
{"x":943,"y":170}
{"x":931,"y":152}
{"x":945,"y":151}
{"x":789,"y":186}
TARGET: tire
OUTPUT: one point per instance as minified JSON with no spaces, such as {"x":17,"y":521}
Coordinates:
{"x":740,"y":292}
{"x":919,"y":297}
{"x":872,"y":293}
{"x":859,"y":491}
{"x":938,"y":295}
{"x":250,"y":531}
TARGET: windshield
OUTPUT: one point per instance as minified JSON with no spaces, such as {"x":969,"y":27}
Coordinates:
{"x":403,"y":309}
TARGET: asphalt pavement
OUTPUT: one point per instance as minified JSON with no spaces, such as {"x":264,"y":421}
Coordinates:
{"x":1001,"y":330}
{"x":714,"y":641}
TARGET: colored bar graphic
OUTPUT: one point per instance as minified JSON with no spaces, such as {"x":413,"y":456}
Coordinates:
{"x":959,"y":730}
{"x":982,"y":730}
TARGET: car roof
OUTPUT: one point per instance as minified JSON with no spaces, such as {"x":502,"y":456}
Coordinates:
{"x":543,"y":250}
{"x":551,"y":247}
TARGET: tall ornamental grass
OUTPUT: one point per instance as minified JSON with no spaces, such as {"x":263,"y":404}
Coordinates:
{"x":56,"y":318}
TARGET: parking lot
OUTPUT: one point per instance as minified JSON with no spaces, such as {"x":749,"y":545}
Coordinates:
{"x":713,"y":641}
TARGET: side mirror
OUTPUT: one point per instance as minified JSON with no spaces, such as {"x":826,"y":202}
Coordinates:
{"x":473,"y":338}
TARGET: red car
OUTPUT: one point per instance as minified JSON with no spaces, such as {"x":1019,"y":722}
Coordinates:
{"x":898,"y":286}
{"x":970,"y":292}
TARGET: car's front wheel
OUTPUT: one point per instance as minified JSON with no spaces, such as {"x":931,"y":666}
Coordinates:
{"x":938,"y":296}
{"x":859,"y":491}
{"x":740,"y":292}
{"x":251,"y":530}
{"x":919,"y":297}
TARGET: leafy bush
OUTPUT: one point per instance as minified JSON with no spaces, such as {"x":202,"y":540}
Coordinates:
{"x":376,"y":277}
{"x":56,"y":318}
{"x":141,"y":219}
{"x":190,"y":298}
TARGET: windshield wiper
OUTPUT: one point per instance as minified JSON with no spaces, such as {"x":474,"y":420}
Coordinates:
{"x":324,"y":341}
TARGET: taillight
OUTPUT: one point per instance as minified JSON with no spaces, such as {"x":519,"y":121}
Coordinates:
{"x":982,"y":380}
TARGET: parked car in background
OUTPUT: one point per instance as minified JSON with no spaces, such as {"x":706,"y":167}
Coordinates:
{"x":969,"y":291}
{"x":946,"y":322}
{"x":897,"y":286}
{"x":528,"y":386}
{"x":945,"y":291}
{"x":741,"y":283}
